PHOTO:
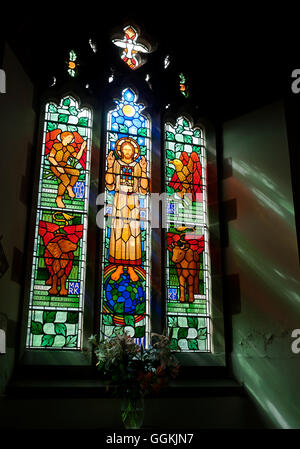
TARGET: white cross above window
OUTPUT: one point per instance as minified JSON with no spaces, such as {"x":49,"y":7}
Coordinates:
{"x":130,"y":55}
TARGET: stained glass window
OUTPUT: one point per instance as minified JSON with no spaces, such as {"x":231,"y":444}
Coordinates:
{"x":58,"y":272}
{"x":183,"y":86}
{"x":131,"y":47}
{"x":72,"y":64}
{"x":187,"y":253}
{"x":127,"y":232}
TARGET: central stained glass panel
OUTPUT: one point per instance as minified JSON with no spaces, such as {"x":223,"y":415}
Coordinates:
{"x":127,"y":234}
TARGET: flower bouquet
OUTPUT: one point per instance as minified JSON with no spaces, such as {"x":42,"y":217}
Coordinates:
{"x":131,"y":371}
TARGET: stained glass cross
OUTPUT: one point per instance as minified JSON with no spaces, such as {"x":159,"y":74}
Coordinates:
{"x":131,"y":47}
{"x":127,"y":173}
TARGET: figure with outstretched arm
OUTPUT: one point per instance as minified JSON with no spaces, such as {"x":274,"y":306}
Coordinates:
{"x":65,"y":173}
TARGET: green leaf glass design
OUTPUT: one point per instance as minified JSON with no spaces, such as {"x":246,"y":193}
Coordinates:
{"x":182,"y":332}
{"x":36,"y":328}
{"x":47,"y":340}
{"x":83,"y":121}
{"x":202,"y":333}
{"x":49,"y":317}
{"x":193,"y":345}
{"x":66,"y":101}
{"x":72,"y":317}
{"x":71,"y":341}
{"x":170,"y":136}
{"x":63,"y":118}
{"x":60,"y":329}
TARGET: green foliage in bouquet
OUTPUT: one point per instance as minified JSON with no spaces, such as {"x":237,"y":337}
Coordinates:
{"x":130,"y":370}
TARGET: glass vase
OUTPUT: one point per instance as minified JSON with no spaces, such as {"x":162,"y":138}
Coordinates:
{"x":132,"y":412}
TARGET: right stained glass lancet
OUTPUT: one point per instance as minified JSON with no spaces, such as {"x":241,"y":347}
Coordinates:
{"x":187,"y":254}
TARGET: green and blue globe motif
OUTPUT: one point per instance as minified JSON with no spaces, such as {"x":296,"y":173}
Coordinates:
{"x":124,"y":297}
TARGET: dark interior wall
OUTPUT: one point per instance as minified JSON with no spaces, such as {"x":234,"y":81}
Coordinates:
{"x":263,"y":255}
{"x":17,"y":130}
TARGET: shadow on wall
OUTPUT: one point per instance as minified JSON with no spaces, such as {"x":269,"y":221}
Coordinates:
{"x":263,"y":252}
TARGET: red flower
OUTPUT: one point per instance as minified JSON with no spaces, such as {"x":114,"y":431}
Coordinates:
{"x":159,"y":370}
{"x":148,"y":377}
{"x":156,"y":387}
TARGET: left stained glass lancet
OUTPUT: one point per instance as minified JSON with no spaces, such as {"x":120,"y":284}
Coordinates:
{"x":58,"y":270}
{"x":126,"y":242}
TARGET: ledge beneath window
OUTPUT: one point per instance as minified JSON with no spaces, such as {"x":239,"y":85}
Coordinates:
{"x":84,"y":358}
{"x":96,"y":388}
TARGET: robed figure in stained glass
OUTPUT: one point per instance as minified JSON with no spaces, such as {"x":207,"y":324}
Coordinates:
{"x":126,"y":175}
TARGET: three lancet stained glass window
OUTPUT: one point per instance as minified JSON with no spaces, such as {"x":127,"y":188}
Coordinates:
{"x":57,"y":291}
